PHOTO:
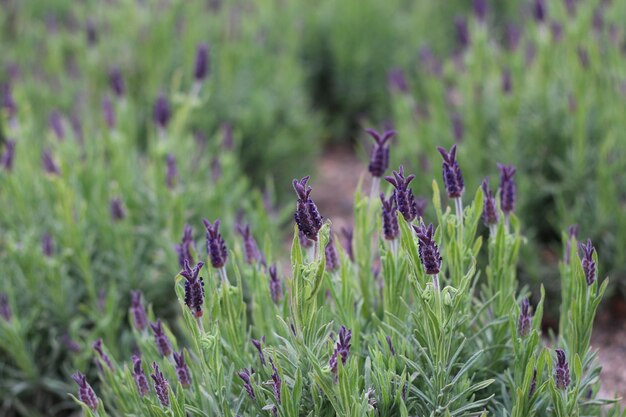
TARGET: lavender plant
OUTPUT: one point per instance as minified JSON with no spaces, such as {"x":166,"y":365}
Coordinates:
{"x":421,"y":334}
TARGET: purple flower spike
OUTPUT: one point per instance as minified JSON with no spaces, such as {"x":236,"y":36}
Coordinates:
{"x":49,"y":165}
{"x":85,"y":393}
{"x":184,"y":249}
{"x":116,"y":82}
{"x":458,"y":128}
{"x":587,"y":262}
{"x":332,"y":257}
{"x":5,"y":308}
{"x":276,"y":289}
{"x":533,"y":384}
{"x":307,"y":216}
{"x":6,"y":161}
{"x":462,"y":32}
{"x":379,"y":158}
{"x":201,"y":68}
{"x":276,"y":382}
{"x":160,"y":339}
{"x":140,"y":378}
{"x":194,"y":288}
{"x":348,"y":237}
{"x":251,"y":251}
{"x":258,"y":345}
{"x":56,"y":125}
{"x":91,"y":33}
{"x":572,"y":233}
{"x":428,"y":249}
{"x":108,"y":113}
{"x":507,"y":83}
{"x":215,"y":245}
{"x":508,"y":189}
{"x":490,"y":209}
{"x":513,"y":35}
{"x":245,"y":376}
{"x":97,"y":346}
{"x":397,"y":81}
{"x":172,"y":171}
{"x":161,"y":387}
{"x":137,"y":311}
{"x":116,"y":207}
{"x":525,"y":318}
{"x":47,"y":245}
{"x":452,"y":176}
{"x":539,"y":10}
{"x":390,"y":344}
{"x":182,"y":370}
{"x":480,"y":10}
{"x":405,"y":200}
{"x":390,"y":219}
{"x":162,"y":112}
{"x":342,"y":349}
{"x":420,"y":204}
{"x":561,"y":372}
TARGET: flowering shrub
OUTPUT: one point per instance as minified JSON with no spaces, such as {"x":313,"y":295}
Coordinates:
{"x":406,"y":320}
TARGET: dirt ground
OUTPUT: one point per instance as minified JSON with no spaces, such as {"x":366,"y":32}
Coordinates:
{"x":333,"y":188}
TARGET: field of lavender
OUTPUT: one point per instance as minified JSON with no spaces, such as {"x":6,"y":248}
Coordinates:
{"x":162,"y":252}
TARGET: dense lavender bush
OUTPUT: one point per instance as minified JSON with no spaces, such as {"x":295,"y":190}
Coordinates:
{"x":413,"y":325}
{"x":549,"y":99}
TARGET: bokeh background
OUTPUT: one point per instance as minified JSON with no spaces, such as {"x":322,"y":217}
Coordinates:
{"x":97,"y":181}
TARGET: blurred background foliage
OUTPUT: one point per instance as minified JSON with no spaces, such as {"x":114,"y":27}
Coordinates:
{"x":543,"y":91}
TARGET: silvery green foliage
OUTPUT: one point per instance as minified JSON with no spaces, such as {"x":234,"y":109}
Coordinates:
{"x":379,"y":336}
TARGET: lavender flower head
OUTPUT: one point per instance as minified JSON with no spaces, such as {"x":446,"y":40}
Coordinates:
{"x":539,"y":10}
{"x":215,"y":245}
{"x":140,"y":378}
{"x":490,"y":209}
{"x":307,"y":216}
{"x":428,"y":249}
{"x":108,"y":113}
{"x":508,"y":189}
{"x":561,"y":372}
{"x":161,"y":112}
{"x":420,"y":204}
{"x":5,"y":308}
{"x":137,"y":311}
{"x":85,"y":393}
{"x":452,"y":176}
{"x":6,"y":161}
{"x":572,"y":234}
{"x":56,"y":125}
{"x":331,"y":255}
{"x":342,"y":349}
{"x":276,"y":382}
{"x":116,"y":207}
{"x":116,"y":82}
{"x":525,"y":318}
{"x":47,"y":245}
{"x":458,"y":128}
{"x":97,"y":346}
{"x":160,"y":339}
{"x":194,"y":288}
{"x":161,"y":387}
{"x":172,"y":172}
{"x":480,"y":10}
{"x":390,"y":219}
{"x":251,"y":251}
{"x":405,"y":200}
{"x":587,"y":262}
{"x":379,"y":157}
{"x":390,"y":344}
{"x":245,"y":376}
{"x":201,"y":67}
{"x":462,"y":32}
{"x":276,"y":289}
{"x":91,"y":33}
{"x":258,"y":345}
{"x":49,"y":165}
{"x":533,"y":384}
{"x":182,"y":371}
{"x":184,"y":249}
{"x":397,"y":81}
